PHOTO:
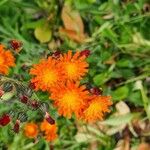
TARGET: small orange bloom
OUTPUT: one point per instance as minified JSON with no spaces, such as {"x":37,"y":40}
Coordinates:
{"x":31,"y":130}
{"x":74,"y":66}
{"x":50,"y":131}
{"x":46,"y":74}
{"x":6,"y":60}
{"x":98,"y":105}
{"x":69,"y":98}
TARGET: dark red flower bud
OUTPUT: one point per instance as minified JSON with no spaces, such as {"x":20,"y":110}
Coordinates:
{"x":16,"y":45}
{"x":24,"y":99}
{"x":4,"y":120}
{"x":32,"y":85}
{"x":56,"y":54}
{"x":96,"y":91}
{"x":49,"y":119}
{"x":16,"y":126}
{"x":85,"y":53}
{"x":35,"y":104}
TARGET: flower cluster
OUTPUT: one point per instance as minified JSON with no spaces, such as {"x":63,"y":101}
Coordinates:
{"x":61,"y":77}
{"x":23,"y":93}
{"x":46,"y":130}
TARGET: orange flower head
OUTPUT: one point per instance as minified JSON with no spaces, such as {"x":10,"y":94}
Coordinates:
{"x":6,"y":60}
{"x":74,"y":66}
{"x":46,"y":74}
{"x":50,"y":131}
{"x":69,"y":98}
{"x":31,"y":130}
{"x":98,"y":105}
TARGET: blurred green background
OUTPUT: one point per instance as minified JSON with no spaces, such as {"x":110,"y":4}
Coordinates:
{"x":117,"y":32}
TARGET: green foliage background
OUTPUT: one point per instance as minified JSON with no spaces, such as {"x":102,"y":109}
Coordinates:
{"x":119,"y":41}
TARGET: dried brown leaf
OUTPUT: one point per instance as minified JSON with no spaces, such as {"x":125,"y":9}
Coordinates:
{"x":72,"y":35}
{"x":74,"y":27}
{"x":72,"y":19}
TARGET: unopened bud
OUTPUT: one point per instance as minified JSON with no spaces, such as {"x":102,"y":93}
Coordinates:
{"x":56,"y":54}
{"x":85,"y":53}
{"x":96,"y":91}
{"x":16,"y":126}
{"x":4,"y":120}
{"x":34,"y":104}
{"x":22,"y":117}
{"x":16,"y":45}
{"x":44,"y":107}
{"x":49,"y":119}
{"x":24,"y":99}
{"x":7,"y":87}
{"x":32,"y":86}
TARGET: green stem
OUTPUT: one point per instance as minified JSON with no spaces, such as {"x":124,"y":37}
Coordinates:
{"x":29,"y":146}
{"x":143,"y":76}
{"x":145,"y":101}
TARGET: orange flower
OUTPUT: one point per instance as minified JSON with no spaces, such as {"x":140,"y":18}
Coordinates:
{"x":74,"y":66}
{"x":31,"y":130}
{"x":47,"y":74}
{"x":69,"y":98}
{"x":98,"y":105}
{"x":50,"y":131}
{"x":6,"y":60}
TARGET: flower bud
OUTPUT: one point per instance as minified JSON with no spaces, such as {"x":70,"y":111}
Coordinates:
{"x":24,"y":99}
{"x":96,"y":91}
{"x":7,"y":87}
{"x":49,"y":119}
{"x":4,"y":120}
{"x":44,"y":107}
{"x":32,"y":85}
{"x":22,"y":117}
{"x":85,"y":53}
{"x":16,"y":45}
{"x":16,"y":126}
{"x":34,"y":104}
{"x":56,"y":54}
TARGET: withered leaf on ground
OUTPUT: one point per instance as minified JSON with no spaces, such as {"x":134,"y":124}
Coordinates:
{"x":73,"y":24}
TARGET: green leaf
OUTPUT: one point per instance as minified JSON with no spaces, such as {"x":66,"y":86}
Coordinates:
{"x":43,"y":33}
{"x":33,"y":25}
{"x":105,"y":55}
{"x":119,"y":120}
{"x":135,"y":98}
{"x":127,"y":73}
{"x":125,"y":63}
{"x":101,"y":78}
{"x":120,"y":93}
{"x":83,"y":137}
